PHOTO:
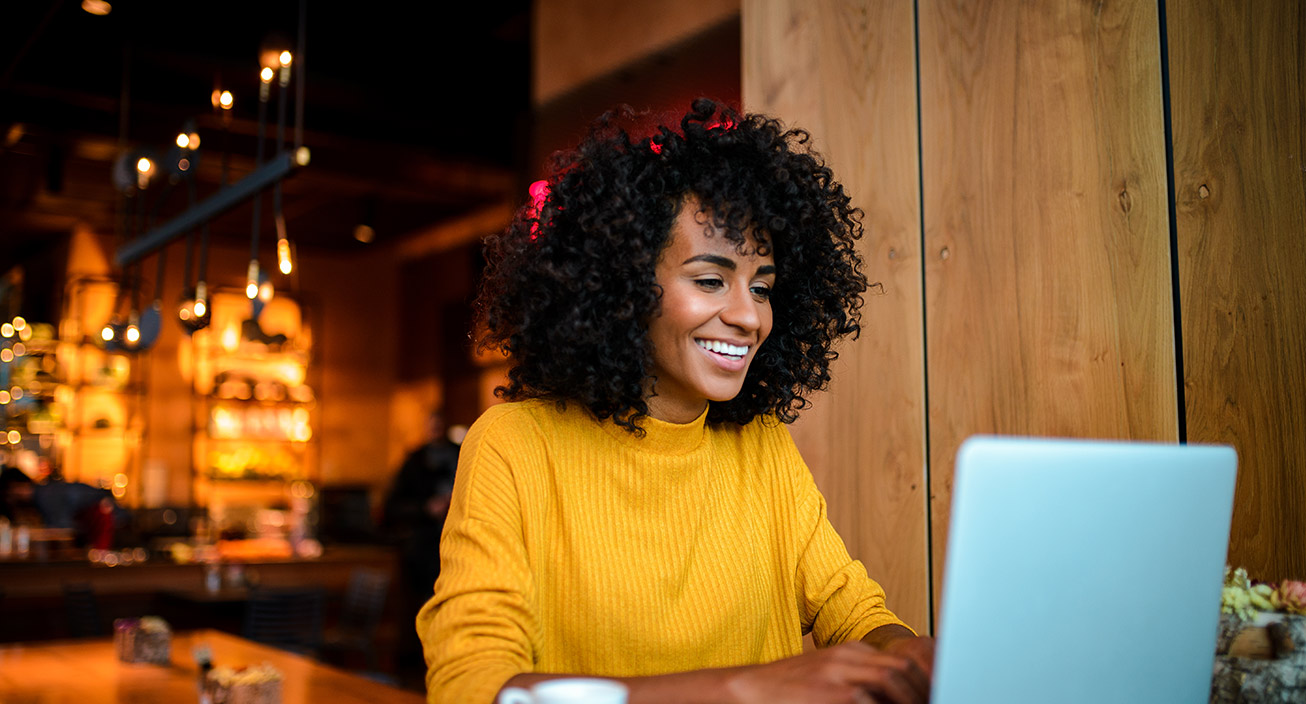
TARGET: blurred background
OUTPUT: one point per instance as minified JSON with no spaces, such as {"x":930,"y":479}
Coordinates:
{"x":1082,"y":219}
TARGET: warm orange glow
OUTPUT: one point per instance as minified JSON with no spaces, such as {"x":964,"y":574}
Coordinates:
{"x":183,"y":165}
{"x":200,"y":308}
{"x":251,"y":290}
{"x":97,"y":7}
{"x":364,"y":233}
{"x":284,"y":58}
{"x":230,"y":339}
{"x":183,"y":140}
{"x":120,"y":479}
{"x":19,"y":322}
{"x":265,"y":75}
{"x":106,"y":334}
{"x":14,"y":437}
{"x":265,"y":291}
{"x":133,"y":334}
{"x":4,"y":397}
{"x":16,"y":393}
{"x":225,"y":100}
{"x":7,"y":330}
{"x":19,"y":349}
{"x":194,"y":139}
{"x":25,"y":334}
{"x":6,"y":355}
{"x":144,"y":165}
{"x":302,"y":156}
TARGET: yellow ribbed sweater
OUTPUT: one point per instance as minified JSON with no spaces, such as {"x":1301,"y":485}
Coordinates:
{"x":574,"y":547}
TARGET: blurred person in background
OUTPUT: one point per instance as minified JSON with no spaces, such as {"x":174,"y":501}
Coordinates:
{"x":414,"y":514}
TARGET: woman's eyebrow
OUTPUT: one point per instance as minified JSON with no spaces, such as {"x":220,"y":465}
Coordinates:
{"x":717,"y":259}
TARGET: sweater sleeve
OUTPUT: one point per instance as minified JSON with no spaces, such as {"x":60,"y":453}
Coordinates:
{"x":837,"y":601}
{"x":476,"y":629}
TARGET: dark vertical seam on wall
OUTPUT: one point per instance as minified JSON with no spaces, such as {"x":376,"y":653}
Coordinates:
{"x":925,"y":338}
{"x":1182,"y":411}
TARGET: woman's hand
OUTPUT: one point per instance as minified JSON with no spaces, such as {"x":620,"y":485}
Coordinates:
{"x":849,"y":673}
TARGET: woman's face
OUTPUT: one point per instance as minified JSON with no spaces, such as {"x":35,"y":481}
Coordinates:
{"x":715,"y":312}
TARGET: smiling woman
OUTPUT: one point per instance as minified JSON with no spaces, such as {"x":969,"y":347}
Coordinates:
{"x":638,"y":510}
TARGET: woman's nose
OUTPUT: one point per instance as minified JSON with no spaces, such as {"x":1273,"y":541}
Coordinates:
{"x":741,"y":310}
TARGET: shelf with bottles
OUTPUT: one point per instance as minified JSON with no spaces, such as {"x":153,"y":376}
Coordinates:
{"x":254,"y":410}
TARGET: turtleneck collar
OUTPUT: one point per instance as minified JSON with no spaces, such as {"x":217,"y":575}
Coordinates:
{"x":661,"y":437}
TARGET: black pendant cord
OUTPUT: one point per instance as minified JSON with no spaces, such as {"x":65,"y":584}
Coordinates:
{"x":299,"y":74}
{"x":264,"y":89}
{"x":190,"y":237}
{"x":283,"y":99}
{"x":160,"y":270}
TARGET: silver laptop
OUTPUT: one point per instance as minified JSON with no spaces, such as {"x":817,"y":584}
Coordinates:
{"x":1083,"y":571}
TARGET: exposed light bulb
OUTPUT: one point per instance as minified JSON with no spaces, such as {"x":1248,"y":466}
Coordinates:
{"x":284,"y":58}
{"x":183,"y":140}
{"x":251,"y":280}
{"x":4,"y":397}
{"x":143,"y":165}
{"x":200,"y":308}
{"x":133,"y":334}
{"x":19,"y":322}
{"x":283,"y":256}
{"x":225,"y":100}
{"x":6,"y":355}
{"x":14,"y":437}
{"x":7,"y":330}
{"x":265,"y":291}
{"x":106,"y":333}
{"x":265,"y":75}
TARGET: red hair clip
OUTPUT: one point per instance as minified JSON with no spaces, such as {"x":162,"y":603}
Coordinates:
{"x":539,"y":191}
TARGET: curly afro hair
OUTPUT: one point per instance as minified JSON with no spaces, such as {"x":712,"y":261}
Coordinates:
{"x":569,"y":286}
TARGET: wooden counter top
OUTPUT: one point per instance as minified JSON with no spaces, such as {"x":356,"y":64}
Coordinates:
{"x":88,"y":672}
{"x":22,"y":578}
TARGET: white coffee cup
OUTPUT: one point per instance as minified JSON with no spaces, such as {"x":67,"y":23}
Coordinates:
{"x":576,"y":690}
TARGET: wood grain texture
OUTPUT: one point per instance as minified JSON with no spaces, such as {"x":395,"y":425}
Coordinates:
{"x":1048,"y":295}
{"x":1238,"y":96}
{"x":845,"y":71}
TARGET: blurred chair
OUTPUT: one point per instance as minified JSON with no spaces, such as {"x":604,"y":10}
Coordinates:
{"x":82,"y":611}
{"x":360,"y":615}
{"x":290,"y":619}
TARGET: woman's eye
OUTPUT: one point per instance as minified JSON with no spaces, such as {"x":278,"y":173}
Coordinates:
{"x":762,"y":292}
{"x":708,"y":284}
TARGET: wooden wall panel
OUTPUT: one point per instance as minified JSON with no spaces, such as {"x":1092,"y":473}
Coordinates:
{"x":1048,"y":294}
{"x":845,"y":71}
{"x":1238,"y":97}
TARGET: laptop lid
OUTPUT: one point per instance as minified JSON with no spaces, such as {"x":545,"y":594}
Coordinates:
{"x":1083,"y":571}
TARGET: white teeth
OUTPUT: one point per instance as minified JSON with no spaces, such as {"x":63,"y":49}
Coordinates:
{"x":722,"y":348}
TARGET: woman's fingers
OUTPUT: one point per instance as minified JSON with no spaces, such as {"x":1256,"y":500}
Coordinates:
{"x":896,"y":677}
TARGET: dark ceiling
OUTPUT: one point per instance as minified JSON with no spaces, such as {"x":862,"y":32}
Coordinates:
{"x":414,"y":112}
